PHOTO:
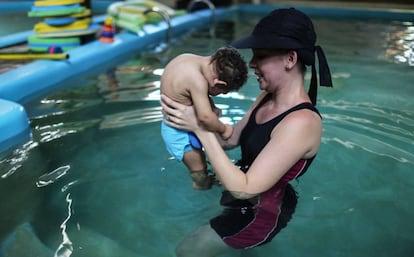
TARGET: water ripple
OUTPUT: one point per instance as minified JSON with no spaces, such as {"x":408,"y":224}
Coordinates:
{"x":129,"y":118}
{"x":65,"y":248}
{"x":9,"y":165}
{"x":378,"y":130}
{"x":51,"y":132}
{"x":51,"y":177}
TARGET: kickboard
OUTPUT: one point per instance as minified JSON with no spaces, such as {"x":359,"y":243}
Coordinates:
{"x":61,"y":10}
{"x":56,"y":2}
{"x":80,"y":24}
{"x":43,"y":44}
{"x":92,"y":29}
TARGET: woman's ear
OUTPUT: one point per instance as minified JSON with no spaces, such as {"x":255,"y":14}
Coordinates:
{"x":292,"y":59}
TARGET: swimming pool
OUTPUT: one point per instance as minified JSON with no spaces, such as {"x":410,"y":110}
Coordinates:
{"x":97,"y":180}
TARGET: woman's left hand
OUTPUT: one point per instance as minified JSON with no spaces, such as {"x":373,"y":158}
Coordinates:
{"x":178,"y":115}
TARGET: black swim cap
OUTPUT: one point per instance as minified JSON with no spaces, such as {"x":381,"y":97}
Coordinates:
{"x":290,"y":29}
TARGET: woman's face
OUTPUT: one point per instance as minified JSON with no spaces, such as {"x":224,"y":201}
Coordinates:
{"x":269,"y":66}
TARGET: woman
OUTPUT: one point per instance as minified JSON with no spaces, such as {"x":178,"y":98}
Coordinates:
{"x":279,"y":137}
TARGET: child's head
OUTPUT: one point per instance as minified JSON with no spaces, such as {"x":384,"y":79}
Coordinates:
{"x":230,"y":67}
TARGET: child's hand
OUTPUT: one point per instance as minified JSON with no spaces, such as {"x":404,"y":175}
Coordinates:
{"x":227,"y":132}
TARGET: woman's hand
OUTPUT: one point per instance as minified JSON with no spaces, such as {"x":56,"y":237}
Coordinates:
{"x":178,"y":115}
{"x":228,"y":132}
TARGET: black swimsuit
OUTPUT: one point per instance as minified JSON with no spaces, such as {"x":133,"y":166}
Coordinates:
{"x":248,"y":223}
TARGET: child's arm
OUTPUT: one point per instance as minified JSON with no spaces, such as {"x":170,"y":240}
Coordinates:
{"x":228,"y":132}
{"x":206,"y":116}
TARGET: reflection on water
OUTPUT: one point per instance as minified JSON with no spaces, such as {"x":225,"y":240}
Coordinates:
{"x":65,"y":249}
{"x":9,"y":165}
{"x":401,"y":44}
{"x":131,"y":118}
{"x":375,"y":129}
{"x":97,"y":180}
{"x":54,"y":131}
{"x":49,"y":178}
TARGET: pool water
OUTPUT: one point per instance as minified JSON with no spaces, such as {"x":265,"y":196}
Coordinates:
{"x":97,"y":181}
{"x":20,"y":22}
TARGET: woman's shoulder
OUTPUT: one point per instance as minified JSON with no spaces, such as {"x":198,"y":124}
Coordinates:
{"x":304,"y":114}
{"x":302,"y":128}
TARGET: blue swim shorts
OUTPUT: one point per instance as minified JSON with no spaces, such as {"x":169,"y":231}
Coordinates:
{"x":178,"y":141}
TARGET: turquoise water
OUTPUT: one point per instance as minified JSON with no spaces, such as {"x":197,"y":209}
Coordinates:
{"x":97,"y":180}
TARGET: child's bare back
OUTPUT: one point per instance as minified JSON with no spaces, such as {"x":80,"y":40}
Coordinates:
{"x":183,"y":74}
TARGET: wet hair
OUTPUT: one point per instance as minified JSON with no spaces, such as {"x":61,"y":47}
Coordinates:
{"x":230,"y":67}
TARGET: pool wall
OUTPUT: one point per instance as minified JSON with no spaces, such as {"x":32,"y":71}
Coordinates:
{"x":38,"y":78}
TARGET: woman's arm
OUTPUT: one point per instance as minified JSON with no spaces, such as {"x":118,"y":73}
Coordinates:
{"x":296,"y":137}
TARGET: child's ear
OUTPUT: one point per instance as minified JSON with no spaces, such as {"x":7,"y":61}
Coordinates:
{"x":219,"y":83}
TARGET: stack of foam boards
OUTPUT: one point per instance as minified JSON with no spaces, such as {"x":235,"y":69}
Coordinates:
{"x":64,"y":23}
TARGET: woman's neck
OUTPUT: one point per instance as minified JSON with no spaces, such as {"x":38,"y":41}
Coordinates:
{"x":289,"y":95}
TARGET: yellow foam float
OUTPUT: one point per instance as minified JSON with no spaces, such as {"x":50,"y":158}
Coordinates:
{"x":133,"y":14}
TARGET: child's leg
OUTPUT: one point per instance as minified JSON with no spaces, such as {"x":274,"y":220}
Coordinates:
{"x":195,"y":161}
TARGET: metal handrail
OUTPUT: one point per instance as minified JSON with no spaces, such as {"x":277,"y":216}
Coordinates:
{"x":209,"y":4}
{"x":166,"y":18}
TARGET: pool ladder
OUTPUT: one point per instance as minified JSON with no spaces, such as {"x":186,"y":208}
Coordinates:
{"x":209,"y":4}
{"x":166,"y":18}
